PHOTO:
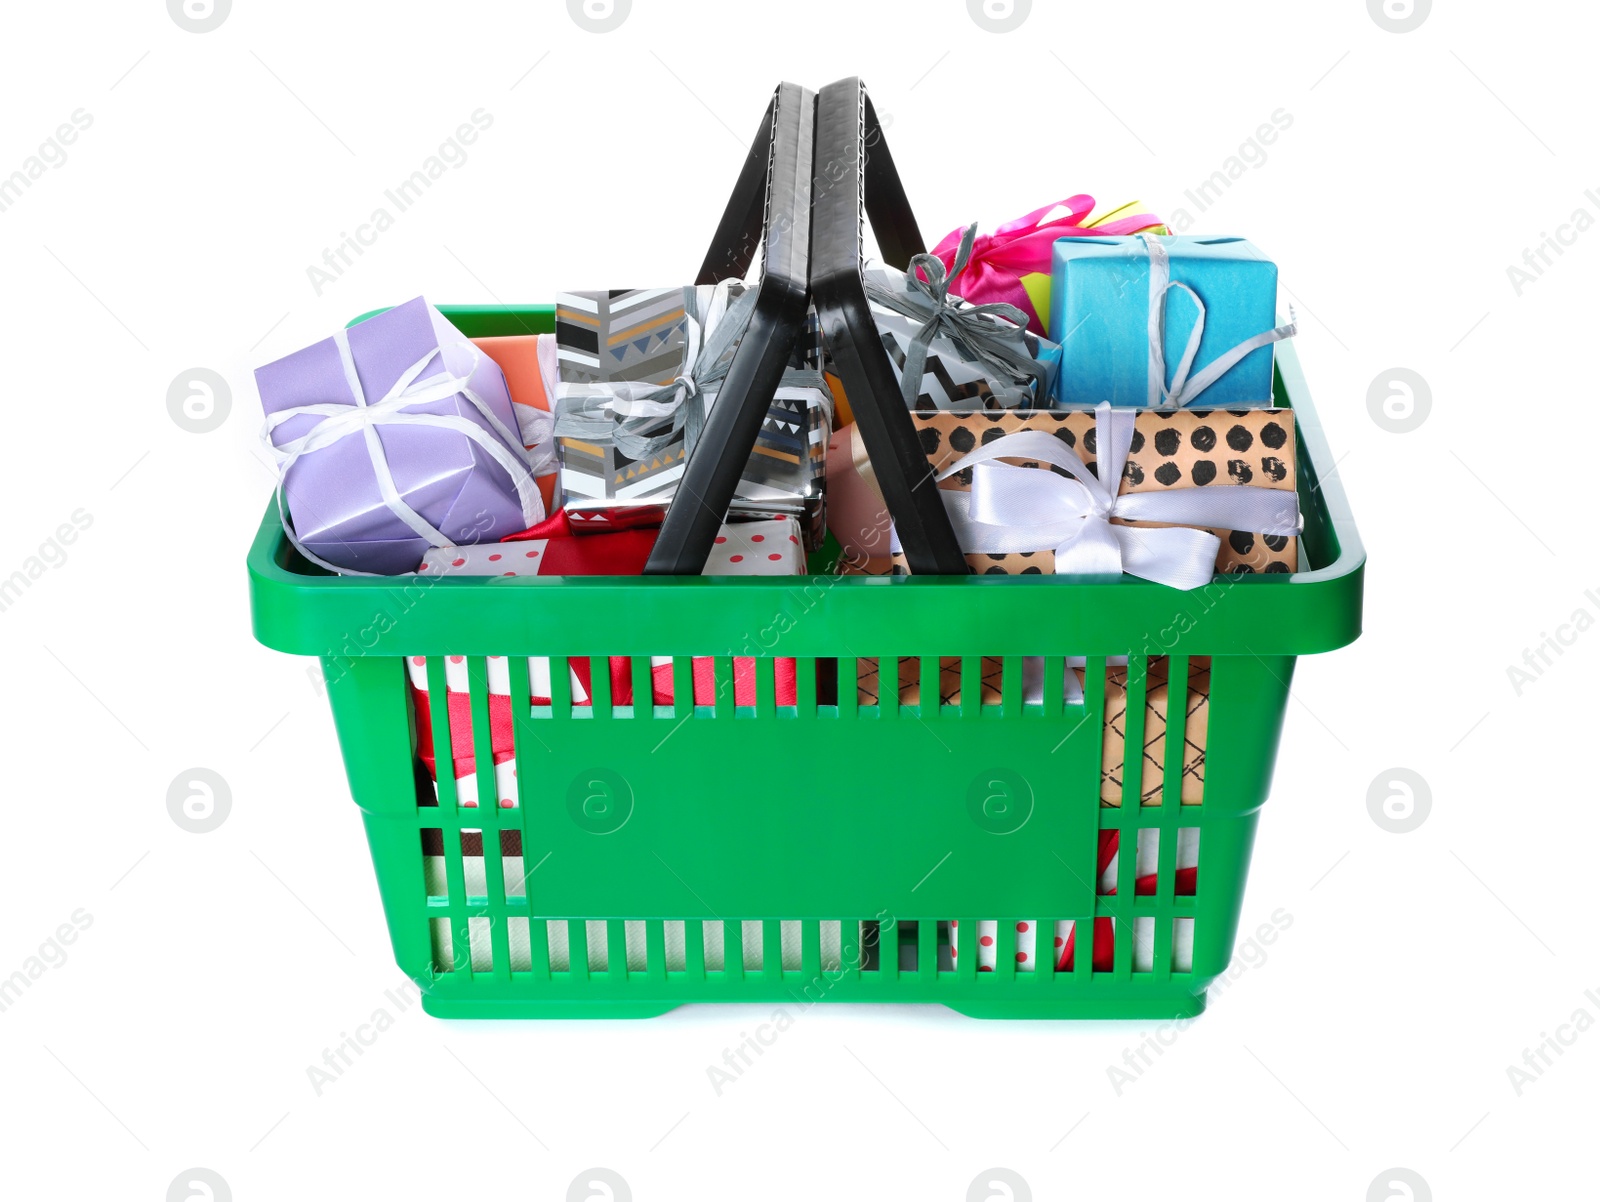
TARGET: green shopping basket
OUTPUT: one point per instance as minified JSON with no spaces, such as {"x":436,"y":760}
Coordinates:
{"x":660,"y":854}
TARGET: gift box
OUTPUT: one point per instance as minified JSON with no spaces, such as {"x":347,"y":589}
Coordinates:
{"x":1157,"y":707}
{"x":1199,"y":491}
{"x":1157,"y":321}
{"x":529,"y":364}
{"x":1012,"y":265}
{"x":857,"y":516}
{"x":869,"y":681}
{"x":758,"y":548}
{"x":502,"y":736}
{"x":637,"y":373}
{"x":393,"y":436}
{"x":1113,"y":760}
{"x":1103,"y":955}
{"x":953,"y":356}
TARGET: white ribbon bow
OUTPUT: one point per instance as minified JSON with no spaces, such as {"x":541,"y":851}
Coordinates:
{"x":1019,"y":509}
{"x":1185,"y":387}
{"x":393,"y":408}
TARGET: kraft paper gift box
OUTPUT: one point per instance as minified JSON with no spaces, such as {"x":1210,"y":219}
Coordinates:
{"x":1113,"y":765}
{"x":626,"y":420}
{"x":1157,"y":707}
{"x":1125,"y":309}
{"x":1171,"y":454}
{"x":970,"y":357}
{"x":441,"y":426}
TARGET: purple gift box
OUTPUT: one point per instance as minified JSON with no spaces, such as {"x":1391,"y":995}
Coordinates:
{"x":448,"y":462}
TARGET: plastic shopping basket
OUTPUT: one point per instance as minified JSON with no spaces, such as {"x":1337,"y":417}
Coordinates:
{"x":664,"y":854}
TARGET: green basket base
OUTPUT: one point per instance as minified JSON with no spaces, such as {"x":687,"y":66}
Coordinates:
{"x":1143,"y":1005}
{"x":492,"y":1008}
{"x":1183,"y":1005}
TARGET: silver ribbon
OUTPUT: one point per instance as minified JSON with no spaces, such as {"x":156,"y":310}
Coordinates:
{"x":1018,"y":509}
{"x":987,"y":335}
{"x":1185,"y":387}
{"x":629,"y":414}
{"x":364,"y":417}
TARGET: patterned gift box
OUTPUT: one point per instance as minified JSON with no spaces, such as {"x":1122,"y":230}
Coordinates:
{"x":955,"y":378}
{"x":769,"y":548}
{"x":615,"y":346}
{"x":1157,"y":706}
{"x":1171,"y":451}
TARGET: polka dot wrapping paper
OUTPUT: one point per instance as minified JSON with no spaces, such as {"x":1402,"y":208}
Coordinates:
{"x":1171,"y":451}
{"x":771,"y":547}
{"x":1063,"y":939}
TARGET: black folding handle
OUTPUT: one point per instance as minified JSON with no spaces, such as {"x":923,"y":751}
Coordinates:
{"x":770,"y":202}
{"x":853,"y":171}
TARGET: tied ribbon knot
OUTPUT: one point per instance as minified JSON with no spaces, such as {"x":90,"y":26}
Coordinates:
{"x":991,"y":335}
{"x":1022,"y":509}
{"x":998,"y":261}
{"x":1185,"y":387}
{"x":396,"y":408}
{"x":629,"y":414}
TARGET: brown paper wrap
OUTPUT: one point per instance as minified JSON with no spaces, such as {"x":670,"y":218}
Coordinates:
{"x":1156,"y":703}
{"x":1112,"y":767}
{"x":868,"y":683}
{"x":1186,"y":448}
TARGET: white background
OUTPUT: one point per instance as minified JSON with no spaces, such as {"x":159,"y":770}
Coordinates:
{"x":1378,"y":1030}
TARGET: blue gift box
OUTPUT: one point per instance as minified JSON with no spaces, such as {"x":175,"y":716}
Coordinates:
{"x":1100,"y":313}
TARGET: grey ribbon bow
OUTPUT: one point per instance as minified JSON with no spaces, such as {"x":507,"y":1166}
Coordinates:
{"x":632,"y":421}
{"x":990,"y":335}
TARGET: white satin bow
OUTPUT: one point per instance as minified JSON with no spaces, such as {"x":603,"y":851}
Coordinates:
{"x":1020,"y":509}
{"x":393,"y":408}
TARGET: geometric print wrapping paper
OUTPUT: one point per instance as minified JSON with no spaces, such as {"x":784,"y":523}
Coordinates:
{"x":642,"y":335}
{"x":950,"y":381}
